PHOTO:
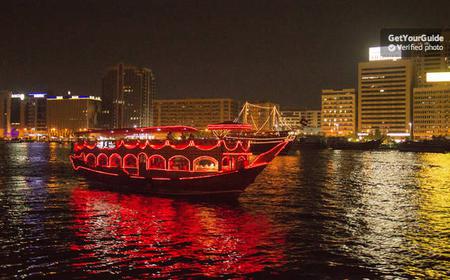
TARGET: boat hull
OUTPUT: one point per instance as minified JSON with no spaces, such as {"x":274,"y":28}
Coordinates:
{"x":229,"y":184}
{"x":426,"y":147}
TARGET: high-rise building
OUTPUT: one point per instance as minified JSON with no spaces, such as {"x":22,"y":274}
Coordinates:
{"x":25,"y":114}
{"x":338,"y":112}
{"x":69,"y":114}
{"x":428,"y":63}
{"x":5,"y":114}
{"x":18,"y":101}
{"x":18,"y":116}
{"x":431,"y":61}
{"x":195,"y":112}
{"x":127,"y":94}
{"x":384,"y":97}
{"x":431,"y":111}
{"x":36,"y":111}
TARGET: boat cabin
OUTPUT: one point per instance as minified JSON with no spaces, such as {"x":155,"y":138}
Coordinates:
{"x":163,"y":150}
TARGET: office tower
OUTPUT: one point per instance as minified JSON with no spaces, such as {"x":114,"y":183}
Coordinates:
{"x":69,"y":114}
{"x":127,"y":94}
{"x":25,"y":114}
{"x":338,"y":112}
{"x":195,"y":112}
{"x":431,"y":116}
{"x":384,"y":97}
{"x":35,"y":112}
{"x":5,"y":113}
{"x":431,"y":61}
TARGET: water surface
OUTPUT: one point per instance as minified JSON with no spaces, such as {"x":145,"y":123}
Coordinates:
{"x":317,"y":214}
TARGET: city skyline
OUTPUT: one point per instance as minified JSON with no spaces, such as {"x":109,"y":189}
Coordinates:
{"x":251,"y":50}
{"x":253,"y":139}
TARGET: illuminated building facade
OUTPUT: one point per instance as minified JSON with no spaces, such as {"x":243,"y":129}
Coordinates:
{"x":69,"y":114}
{"x":195,"y":112}
{"x":17,"y":116}
{"x":5,"y":114}
{"x":338,"y":112}
{"x":431,"y":111}
{"x":384,"y":97}
{"x":24,"y":115}
{"x":35,"y":114}
{"x":127,"y":94}
{"x":426,"y":64}
{"x":431,"y":61}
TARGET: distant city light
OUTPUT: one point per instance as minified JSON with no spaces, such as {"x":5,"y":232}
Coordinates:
{"x":74,"y":97}
{"x":37,"y":95}
{"x":435,"y":77}
{"x":399,"y":134}
{"x":18,"y":95}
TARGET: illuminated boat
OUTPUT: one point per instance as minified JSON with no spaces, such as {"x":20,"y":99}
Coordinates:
{"x":152,"y":160}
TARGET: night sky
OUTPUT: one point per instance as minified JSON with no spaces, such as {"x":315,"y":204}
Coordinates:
{"x":282,"y":51}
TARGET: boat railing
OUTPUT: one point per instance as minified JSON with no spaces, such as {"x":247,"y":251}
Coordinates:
{"x":201,"y":144}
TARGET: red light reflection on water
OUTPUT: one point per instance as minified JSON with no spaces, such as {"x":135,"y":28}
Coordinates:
{"x":164,"y":237}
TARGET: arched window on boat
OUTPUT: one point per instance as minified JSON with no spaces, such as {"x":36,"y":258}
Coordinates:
{"x":180,"y":163}
{"x":242,"y":162}
{"x":115,"y":160}
{"x":90,"y":160}
{"x":102,"y":160}
{"x":142,"y":157}
{"x":130,"y":164}
{"x":205,"y":164}
{"x":227,"y":163}
{"x":156,"y":162}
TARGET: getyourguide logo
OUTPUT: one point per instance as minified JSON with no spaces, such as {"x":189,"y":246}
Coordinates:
{"x":408,"y":42}
{"x":415,"y":38}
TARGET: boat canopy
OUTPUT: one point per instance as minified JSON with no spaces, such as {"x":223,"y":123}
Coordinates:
{"x":130,"y":131}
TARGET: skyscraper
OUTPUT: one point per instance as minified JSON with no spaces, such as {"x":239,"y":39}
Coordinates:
{"x":431,"y":106}
{"x":36,"y":111}
{"x":24,"y":115}
{"x":338,"y":112}
{"x":431,"y":61}
{"x":5,"y":113}
{"x":384,"y":97}
{"x":431,"y":95}
{"x":127,"y":94}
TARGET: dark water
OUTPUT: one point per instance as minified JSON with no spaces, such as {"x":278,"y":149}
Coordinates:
{"x":319,"y":214}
